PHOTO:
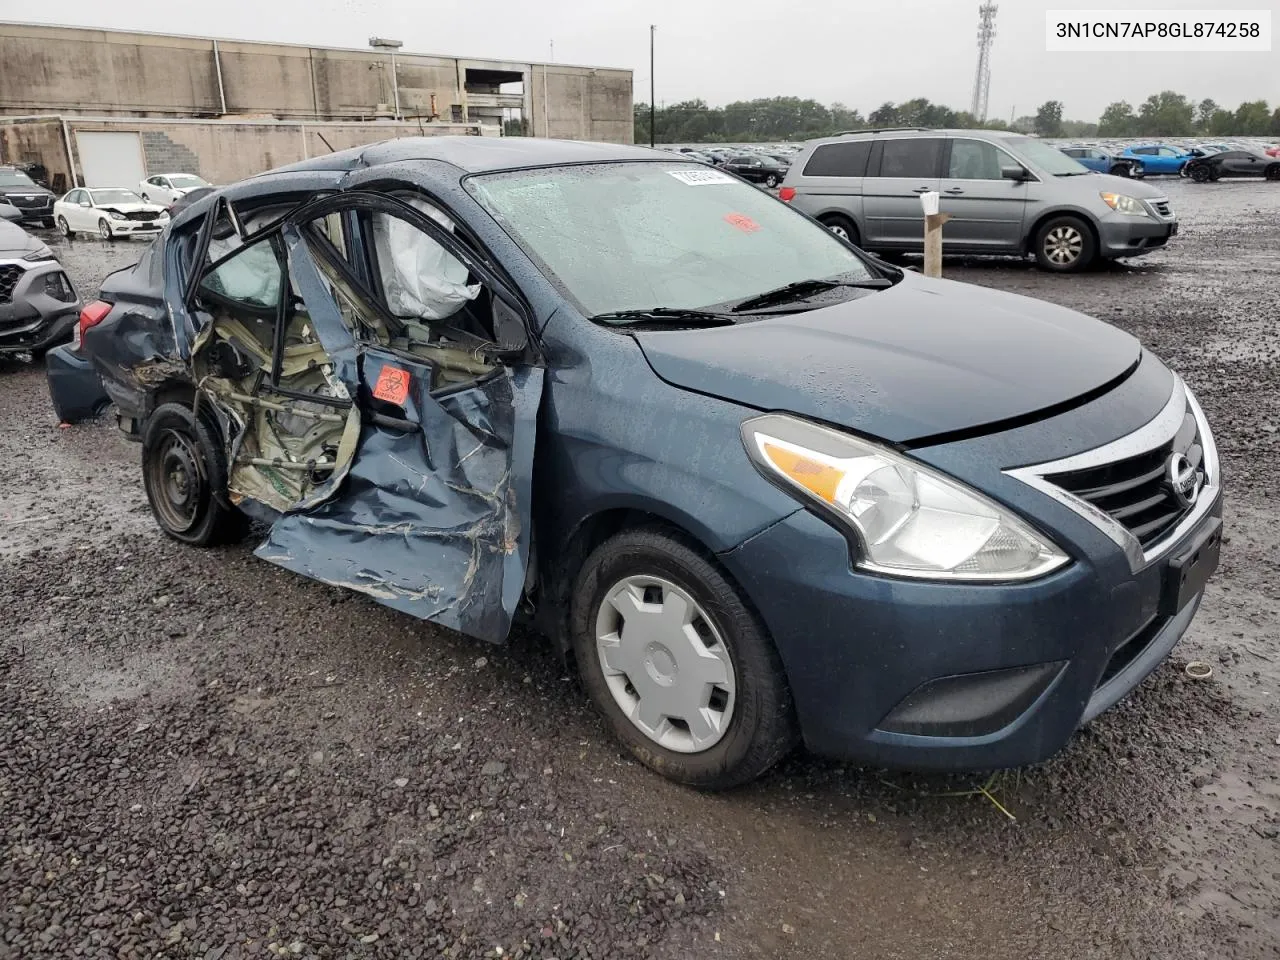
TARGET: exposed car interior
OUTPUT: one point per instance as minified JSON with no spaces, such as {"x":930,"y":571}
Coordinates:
{"x":290,"y":423}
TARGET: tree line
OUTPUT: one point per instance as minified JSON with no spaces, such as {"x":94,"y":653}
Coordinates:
{"x":1166,"y":114}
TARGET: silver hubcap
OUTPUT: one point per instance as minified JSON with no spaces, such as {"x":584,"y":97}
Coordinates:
{"x":665,"y":664}
{"x":1063,"y":245}
{"x":103,"y":230}
{"x":839,"y":231}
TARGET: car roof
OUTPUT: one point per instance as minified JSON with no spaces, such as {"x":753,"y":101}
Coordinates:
{"x":896,"y":133}
{"x":472,"y":154}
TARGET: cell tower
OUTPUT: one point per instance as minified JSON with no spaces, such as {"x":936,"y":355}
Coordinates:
{"x":982,"y":79}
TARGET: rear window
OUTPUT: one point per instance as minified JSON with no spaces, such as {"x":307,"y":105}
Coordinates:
{"x":839,"y":160}
{"x":911,"y":158}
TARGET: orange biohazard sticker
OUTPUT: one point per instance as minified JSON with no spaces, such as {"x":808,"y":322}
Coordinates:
{"x":742,"y":222}
{"x":392,"y":385}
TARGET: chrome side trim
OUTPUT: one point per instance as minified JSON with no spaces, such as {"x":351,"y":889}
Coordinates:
{"x":1154,"y":434}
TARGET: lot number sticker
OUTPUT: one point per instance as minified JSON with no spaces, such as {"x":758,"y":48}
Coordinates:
{"x":392,"y":385}
{"x":700,"y":178}
{"x":742,"y":222}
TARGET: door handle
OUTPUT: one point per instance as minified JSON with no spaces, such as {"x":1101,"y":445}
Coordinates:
{"x":954,"y":190}
{"x":920,"y":190}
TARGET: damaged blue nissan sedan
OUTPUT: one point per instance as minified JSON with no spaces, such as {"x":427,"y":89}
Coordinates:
{"x":759,"y":487}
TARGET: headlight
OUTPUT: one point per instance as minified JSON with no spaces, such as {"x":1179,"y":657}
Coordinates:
{"x":908,"y":519}
{"x":117,"y":216}
{"x":1126,"y":205}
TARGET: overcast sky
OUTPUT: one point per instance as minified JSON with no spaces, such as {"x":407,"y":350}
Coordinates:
{"x":858,"y":52}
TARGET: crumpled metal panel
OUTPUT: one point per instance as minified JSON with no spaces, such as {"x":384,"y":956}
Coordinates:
{"x":429,"y":520}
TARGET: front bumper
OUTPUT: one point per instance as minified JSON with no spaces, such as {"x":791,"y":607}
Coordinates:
{"x":1121,"y":236}
{"x":933,"y":676}
{"x":124,"y":228}
{"x":32,"y":319}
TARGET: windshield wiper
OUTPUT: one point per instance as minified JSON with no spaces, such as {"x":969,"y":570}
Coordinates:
{"x":628,"y":318}
{"x":805,"y":288}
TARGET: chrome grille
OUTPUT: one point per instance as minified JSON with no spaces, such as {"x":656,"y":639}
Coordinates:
{"x":9,"y":277}
{"x":1136,"y":491}
{"x":29,"y":202}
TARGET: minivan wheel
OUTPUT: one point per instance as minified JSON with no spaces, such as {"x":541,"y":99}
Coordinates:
{"x":680,"y":667}
{"x":1064,"y":245}
{"x":185,"y":477}
{"x":842,"y":227}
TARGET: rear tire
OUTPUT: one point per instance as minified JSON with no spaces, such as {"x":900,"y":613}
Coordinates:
{"x":747,"y":724}
{"x":185,"y":475}
{"x":842,"y":227}
{"x":1065,"y":245}
{"x":771,"y":181}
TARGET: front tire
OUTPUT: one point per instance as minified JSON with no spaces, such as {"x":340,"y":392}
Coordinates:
{"x":64,"y":228}
{"x":1273,"y":172}
{"x":104,"y":230}
{"x":1065,"y":245}
{"x":681,"y":668}
{"x":185,"y":476}
{"x":1201,"y":174}
{"x":1122,"y":170}
{"x":771,"y":181}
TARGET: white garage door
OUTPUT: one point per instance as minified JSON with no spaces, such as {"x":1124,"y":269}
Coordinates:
{"x":111,"y":159}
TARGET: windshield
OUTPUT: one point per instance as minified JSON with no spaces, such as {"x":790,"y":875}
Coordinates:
{"x":185,"y":181}
{"x":631,"y":236}
{"x":15,"y":178}
{"x":115,"y":196}
{"x":1043,"y":157}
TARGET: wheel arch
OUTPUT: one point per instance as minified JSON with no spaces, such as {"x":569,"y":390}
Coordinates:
{"x":1028,"y":242}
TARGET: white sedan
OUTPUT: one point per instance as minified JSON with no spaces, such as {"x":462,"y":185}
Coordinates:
{"x":168,"y":188}
{"x":109,"y":212}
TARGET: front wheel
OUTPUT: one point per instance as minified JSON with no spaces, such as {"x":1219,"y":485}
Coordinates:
{"x":1273,"y":172}
{"x":104,"y":230}
{"x":1201,"y":174}
{"x":678,"y":664}
{"x":1121,"y":170}
{"x":771,"y":181}
{"x":1065,"y":245}
{"x":185,"y":477}
{"x":64,"y":228}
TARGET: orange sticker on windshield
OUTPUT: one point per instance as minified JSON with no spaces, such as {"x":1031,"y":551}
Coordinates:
{"x":742,"y":222}
{"x":392,"y":385}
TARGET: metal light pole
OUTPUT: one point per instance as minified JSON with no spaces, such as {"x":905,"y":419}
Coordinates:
{"x":391,"y":46}
{"x":652,"y":87}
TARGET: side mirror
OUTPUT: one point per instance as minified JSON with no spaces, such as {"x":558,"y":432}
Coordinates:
{"x":1015,"y":173}
{"x":508,"y":327}
{"x":9,"y":212}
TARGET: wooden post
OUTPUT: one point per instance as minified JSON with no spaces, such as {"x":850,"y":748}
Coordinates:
{"x":933,"y":243}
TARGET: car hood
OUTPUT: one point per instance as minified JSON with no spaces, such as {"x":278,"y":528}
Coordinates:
{"x":1126,"y":185}
{"x":919,"y":360}
{"x":132,"y":207}
{"x":36,"y":191}
{"x":16,"y":243}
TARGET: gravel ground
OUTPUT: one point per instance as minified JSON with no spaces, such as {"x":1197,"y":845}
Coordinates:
{"x":204,"y":756}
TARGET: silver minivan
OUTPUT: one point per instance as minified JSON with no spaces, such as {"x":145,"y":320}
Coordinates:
{"x":1006,"y":194}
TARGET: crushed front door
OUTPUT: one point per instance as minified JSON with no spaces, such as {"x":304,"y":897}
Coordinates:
{"x":432,"y":515}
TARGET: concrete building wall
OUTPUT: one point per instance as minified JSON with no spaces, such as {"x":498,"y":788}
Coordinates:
{"x":220,"y":151}
{"x":108,"y":73}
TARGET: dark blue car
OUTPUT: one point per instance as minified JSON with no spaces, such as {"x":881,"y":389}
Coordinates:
{"x":759,"y":487}
{"x":1103,"y":161}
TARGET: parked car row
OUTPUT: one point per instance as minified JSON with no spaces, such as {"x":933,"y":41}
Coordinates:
{"x":292,"y":357}
{"x":1201,"y":162}
{"x":762,"y":165}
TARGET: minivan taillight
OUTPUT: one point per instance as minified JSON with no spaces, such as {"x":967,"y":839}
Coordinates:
{"x":787,"y":194}
{"x":90,"y":316}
